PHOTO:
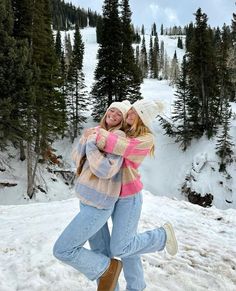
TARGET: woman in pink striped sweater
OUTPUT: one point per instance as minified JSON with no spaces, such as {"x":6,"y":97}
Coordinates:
{"x":124,"y":241}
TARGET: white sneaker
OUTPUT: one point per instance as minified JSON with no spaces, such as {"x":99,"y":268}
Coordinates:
{"x":171,"y":242}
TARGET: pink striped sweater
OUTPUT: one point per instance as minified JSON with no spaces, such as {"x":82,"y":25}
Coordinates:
{"x":134,"y":150}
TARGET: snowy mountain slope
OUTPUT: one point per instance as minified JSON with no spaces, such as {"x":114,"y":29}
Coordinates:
{"x":164,"y":175}
{"x":206,"y":259}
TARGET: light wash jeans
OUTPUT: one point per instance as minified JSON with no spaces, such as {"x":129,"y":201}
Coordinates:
{"x":126,"y":243}
{"x":69,"y":246}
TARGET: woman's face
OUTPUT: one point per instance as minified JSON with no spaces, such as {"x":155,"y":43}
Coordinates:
{"x":114,"y":117}
{"x":131,"y":116}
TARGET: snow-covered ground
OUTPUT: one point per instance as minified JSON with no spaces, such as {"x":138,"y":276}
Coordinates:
{"x":206,"y":236}
{"x":206,"y":259}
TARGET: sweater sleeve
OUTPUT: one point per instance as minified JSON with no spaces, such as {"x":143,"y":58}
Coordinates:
{"x":78,"y":151}
{"x":101,"y":164}
{"x":129,"y":148}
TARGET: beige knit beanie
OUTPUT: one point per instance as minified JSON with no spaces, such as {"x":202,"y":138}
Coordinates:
{"x":148,"y":110}
{"x":123,"y":106}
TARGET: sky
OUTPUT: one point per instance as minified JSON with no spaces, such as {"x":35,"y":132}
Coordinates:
{"x":171,"y":12}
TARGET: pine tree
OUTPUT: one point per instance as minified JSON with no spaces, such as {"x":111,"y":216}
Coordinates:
{"x":15,"y":79}
{"x":150,"y":58}
{"x":75,"y":89}
{"x":155,"y":57}
{"x":232,"y":59}
{"x":143,"y":59}
{"x":166,"y":69}
{"x":202,"y":73}
{"x":162,"y":56}
{"x":68,"y":50}
{"x":180,"y":113}
{"x":154,"y":29}
{"x":49,"y":101}
{"x":189,"y":35}
{"x":162,"y":30}
{"x":222,"y":41}
{"x":174,"y":70}
{"x":143,"y":30}
{"x":108,"y":71}
{"x":130,"y":78}
{"x":58,"y":47}
{"x":137,"y":55}
{"x":180,"y":43}
{"x":224,"y":142}
{"x":99,"y":30}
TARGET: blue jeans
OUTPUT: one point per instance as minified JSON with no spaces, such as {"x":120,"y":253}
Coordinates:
{"x":69,"y":246}
{"x":126,"y":243}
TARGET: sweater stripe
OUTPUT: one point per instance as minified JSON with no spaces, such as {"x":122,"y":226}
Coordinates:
{"x":112,"y":142}
{"x":131,"y":188}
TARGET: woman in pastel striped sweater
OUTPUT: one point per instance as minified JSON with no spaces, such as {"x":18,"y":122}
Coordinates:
{"x":98,"y":186}
{"x":124,"y":241}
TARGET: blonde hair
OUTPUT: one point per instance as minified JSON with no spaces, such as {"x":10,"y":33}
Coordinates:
{"x":103,"y":124}
{"x":138,"y":129}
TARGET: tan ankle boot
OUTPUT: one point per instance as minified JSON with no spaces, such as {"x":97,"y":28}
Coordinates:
{"x":108,"y":280}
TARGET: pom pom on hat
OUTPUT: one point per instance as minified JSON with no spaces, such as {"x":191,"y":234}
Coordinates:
{"x":123,"y":106}
{"x":148,"y":110}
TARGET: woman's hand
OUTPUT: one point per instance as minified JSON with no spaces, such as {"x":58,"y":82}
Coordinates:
{"x":89,"y":131}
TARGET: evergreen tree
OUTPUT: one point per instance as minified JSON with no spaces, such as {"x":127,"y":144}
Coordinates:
{"x":137,"y":55}
{"x":143,"y":59}
{"x":75,"y":88}
{"x":99,"y":30}
{"x":166,"y":69}
{"x":180,"y":43}
{"x":162,"y":56}
{"x":222,"y":41}
{"x":108,"y":71}
{"x":130,"y":77}
{"x":154,"y":29}
{"x":49,"y":101}
{"x":232,"y":59}
{"x":189,"y":35}
{"x":224,"y":142}
{"x":150,"y":59}
{"x":203,"y":77}
{"x":155,"y":57}
{"x":162,"y":30}
{"x":180,"y":113}
{"x":174,"y":70}
{"x":7,"y":68}
{"x":68,"y":50}
{"x":58,"y":45}
{"x":143,"y":30}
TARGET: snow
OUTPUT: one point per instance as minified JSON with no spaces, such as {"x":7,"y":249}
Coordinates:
{"x":207,"y":236}
{"x":206,"y":259}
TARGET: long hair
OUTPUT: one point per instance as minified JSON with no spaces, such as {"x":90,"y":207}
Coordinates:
{"x":138,"y":129}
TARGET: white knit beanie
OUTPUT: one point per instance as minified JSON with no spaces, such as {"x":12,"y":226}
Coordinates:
{"x":148,"y":110}
{"x":123,"y":106}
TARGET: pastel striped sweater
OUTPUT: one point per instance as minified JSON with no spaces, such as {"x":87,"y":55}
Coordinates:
{"x":99,"y":182}
{"x":133,"y":150}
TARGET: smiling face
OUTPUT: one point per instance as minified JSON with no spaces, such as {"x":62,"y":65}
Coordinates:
{"x":113,"y":117}
{"x":131,"y":117}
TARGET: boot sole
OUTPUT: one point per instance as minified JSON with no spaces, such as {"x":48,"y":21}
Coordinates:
{"x":174,"y":243}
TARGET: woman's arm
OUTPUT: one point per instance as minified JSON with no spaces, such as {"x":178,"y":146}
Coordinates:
{"x":102,"y":165}
{"x":129,"y":148}
{"x":79,"y":151}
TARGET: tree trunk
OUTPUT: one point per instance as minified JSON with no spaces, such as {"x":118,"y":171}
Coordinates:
{"x":22,"y":151}
{"x":30,"y":182}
